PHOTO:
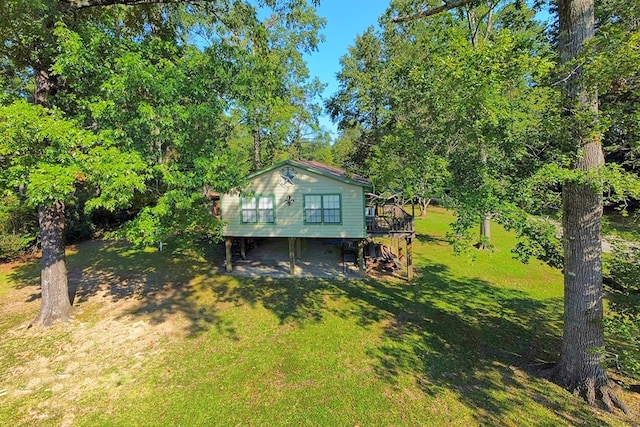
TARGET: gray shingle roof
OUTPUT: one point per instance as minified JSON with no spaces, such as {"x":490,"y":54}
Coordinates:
{"x":331,"y":171}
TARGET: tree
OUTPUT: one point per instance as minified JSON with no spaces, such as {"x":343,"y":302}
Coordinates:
{"x":404,"y":168}
{"x":161,"y":98}
{"x":273,"y":89}
{"x":363,"y":96}
{"x":136,"y":33}
{"x":613,"y":71}
{"x":343,"y":148}
{"x":316,"y":148}
{"x":57,"y":156}
{"x":581,"y":360}
{"x":462,"y":88}
{"x":580,"y":367}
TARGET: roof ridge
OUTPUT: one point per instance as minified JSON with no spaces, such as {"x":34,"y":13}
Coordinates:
{"x":339,"y":172}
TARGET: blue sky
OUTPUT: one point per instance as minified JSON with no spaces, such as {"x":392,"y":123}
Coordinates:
{"x":345,"y":20}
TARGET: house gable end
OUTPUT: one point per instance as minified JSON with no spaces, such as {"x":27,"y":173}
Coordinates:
{"x":293,"y":185}
{"x":317,"y":168}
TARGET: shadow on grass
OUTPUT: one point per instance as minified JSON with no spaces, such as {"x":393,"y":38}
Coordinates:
{"x":457,"y":335}
{"x":453,"y":334}
{"x":428,"y":238}
{"x":463,"y":335}
{"x":291,"y":299}
{"x":161,"y":283}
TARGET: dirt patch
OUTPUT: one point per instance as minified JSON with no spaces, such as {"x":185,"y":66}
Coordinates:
{"x":19,"y":301}
{"x":103,"y":348}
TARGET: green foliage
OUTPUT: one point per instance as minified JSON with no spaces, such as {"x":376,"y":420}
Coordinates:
{"x":623,"y":315}
{"x":452,"y":102}
{"x":13,"y":245}
{"x":363,"y":97}
{"x":620,"y":185}
{"x":178,"y":105}
{"x":539,"y":239}
{"x":164,"y":103}
{"x":176,"y":212}
{"x":344,"y":147}
{"x":272,"y":90}
{"x":318,"y":148}
{"x":542,"y":188}
{"x":18,"y":227}
{"x":478,"y":87}
{"x":624,"y":274}
{"x":50,"y":156}
{"x":610,"y":68}
{"x":489,"y":120}
{"x":402,"y":165}
{"x":142,"y":115}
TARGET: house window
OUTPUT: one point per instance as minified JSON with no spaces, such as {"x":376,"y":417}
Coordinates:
{"x":331,"y":209}
{"x":322,"y":208}
{"x":257,"y":209}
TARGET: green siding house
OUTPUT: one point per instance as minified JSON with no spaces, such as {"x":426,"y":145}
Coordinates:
{"x":299,"y":200}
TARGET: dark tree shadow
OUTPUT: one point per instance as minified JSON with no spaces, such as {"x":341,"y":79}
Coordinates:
{"x":291,"y":299}
{"x":429,"y":238}
{"x":453,"y":334}
{"x":162,"y":283}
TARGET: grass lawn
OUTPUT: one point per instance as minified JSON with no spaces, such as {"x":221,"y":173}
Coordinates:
{"x":167,"y":339}
{"x":626,"y":227}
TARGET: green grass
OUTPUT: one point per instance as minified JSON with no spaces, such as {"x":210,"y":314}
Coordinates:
{"x":458,"y":346}
{"x":625,"y":226}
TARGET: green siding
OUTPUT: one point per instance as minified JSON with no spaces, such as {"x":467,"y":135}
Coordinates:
{"x":290,"y":218}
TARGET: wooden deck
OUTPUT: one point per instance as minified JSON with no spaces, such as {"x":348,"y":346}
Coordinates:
{"x":391,"y":221}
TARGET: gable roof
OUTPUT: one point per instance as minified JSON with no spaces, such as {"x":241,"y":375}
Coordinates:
{"x":321,"y":169}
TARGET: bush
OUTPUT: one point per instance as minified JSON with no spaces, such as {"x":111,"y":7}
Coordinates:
{"x":622,"y":321}
{"x":18,"y":227}
{"x":79,"y":226}
{"x":12,"y":246}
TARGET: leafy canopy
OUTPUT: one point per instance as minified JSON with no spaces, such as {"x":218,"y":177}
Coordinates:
{"x":49,"y":156}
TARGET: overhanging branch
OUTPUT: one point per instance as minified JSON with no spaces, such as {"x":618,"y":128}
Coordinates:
{"x":83,"y":4}
{"x":430,"y":12}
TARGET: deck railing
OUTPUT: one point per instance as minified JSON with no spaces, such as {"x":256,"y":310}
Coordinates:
{"x":390,"y":219}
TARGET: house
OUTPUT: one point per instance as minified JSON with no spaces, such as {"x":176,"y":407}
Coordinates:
{"x":307,"y":200}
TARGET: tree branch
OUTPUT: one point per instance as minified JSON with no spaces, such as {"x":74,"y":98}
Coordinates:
{"x":489,"y":21}
{"x":83,"y":4}
{"x":430,"y":12}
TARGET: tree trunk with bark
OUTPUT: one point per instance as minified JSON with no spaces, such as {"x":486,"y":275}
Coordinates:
{"x":45,"y":85}
{"x":257,"y":163}
{"x":55,"y":302}
{"x":55,"y":305}
{"x":581,"y":361}
{"x":484,"y":241}
{"x":485,"y":233}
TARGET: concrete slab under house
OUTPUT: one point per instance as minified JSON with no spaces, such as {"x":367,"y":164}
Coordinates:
{"x":316,"y":214}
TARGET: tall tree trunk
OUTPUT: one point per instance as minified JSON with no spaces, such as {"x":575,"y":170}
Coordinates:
{"x":45,"y":85}
{"x":485,"y":226}
{"x":424,"y":203}
{"x":580,"y":367}
{"x":257,"y":163}
{"x":55,"y":305}
{"x":485,"y":233}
